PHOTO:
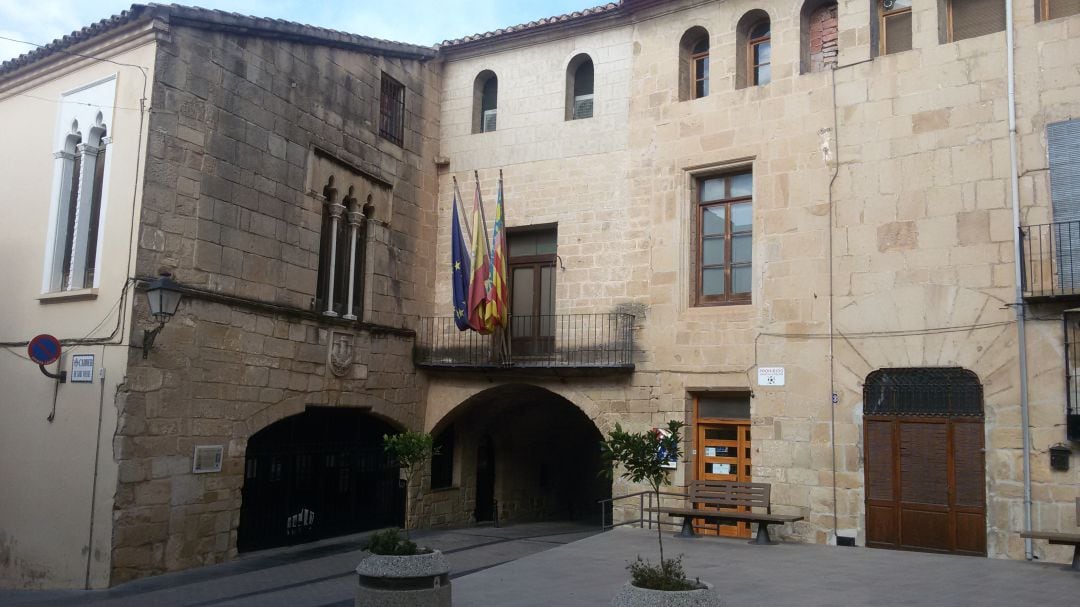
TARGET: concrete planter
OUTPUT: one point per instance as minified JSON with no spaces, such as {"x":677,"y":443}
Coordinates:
{"x":632,"y":596}
{"x":421,"y":580}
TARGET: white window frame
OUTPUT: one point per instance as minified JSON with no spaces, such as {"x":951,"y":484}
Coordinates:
{"x":90,"y":106}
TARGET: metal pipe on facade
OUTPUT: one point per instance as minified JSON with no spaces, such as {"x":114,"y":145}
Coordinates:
{"x":1014,"y":178}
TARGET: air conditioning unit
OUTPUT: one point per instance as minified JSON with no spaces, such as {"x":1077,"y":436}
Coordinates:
{"x":488,"y":122}
{"x":583,"y":106}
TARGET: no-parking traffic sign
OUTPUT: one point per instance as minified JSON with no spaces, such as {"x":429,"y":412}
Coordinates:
{"x":44,"y":349}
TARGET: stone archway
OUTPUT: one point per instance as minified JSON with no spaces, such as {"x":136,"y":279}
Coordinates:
{"x":317,"y":474}
{"x":533,"y":452}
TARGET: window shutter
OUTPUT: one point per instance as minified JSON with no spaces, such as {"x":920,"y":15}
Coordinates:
{"x":489,"y":121}
{"x":583,"y":106}
{"x":1063,"y":143}
{"x":971,"y":18}
{"x":898,"y":33}
{"x":1061,"y":8}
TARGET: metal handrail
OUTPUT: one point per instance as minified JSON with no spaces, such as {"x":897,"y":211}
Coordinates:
{"x":641,"y":520}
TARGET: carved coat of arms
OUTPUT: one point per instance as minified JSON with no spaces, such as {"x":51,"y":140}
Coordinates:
{"x":341,"y":353}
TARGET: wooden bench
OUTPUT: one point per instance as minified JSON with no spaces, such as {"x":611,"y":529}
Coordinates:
{"x":1065,"y":539}
{"x":727,"y":494}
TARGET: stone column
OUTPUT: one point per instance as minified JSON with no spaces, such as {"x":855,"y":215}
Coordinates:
{"x":336,"y":211}
{"x":81,"y":230}
{"x":356,"y":221}
{"x":64,"y":165}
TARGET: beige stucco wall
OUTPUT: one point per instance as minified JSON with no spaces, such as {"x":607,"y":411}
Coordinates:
{"x":916,"y":236}
{"x":48,"y":467}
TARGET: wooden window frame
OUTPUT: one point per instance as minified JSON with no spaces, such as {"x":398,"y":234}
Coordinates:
{"x":727,"y":298}
{"x":883,"y":16}
{"x":392,"y":110}
{"x":751,"y":46}
{"x":1044,"y":12}
{"x":694,"y":61}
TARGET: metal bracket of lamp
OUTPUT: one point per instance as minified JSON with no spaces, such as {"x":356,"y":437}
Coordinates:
{"x":163,"y":295}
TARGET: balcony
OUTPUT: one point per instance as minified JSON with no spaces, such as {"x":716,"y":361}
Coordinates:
{"x":1050,"y":260}
{"x":599,"y":342}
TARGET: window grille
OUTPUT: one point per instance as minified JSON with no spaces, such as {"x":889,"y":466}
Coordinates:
{"x":392,"y":110}
{"x":490,"y":121}
{"x":930,"y":392}
{"x":583,"y":106}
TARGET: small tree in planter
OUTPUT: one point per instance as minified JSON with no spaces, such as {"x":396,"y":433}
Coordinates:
{"x":411,"y":450}
{"x":642,"y":456}
{"x":398,"y":572}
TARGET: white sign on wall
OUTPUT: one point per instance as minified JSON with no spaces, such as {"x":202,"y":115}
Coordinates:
{"x":82,"y":369}
{"x":770,"y":376}
{"x":208,"y":458}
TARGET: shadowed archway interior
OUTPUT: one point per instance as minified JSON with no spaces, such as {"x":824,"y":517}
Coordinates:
{"x":318,"y":474}
{"x":539,"y":449}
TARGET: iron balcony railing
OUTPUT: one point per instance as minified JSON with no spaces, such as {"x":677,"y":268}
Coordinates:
{"x":1050,"y":259}
{"x":582,"y":341}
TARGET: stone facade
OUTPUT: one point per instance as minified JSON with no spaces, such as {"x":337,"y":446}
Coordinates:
{"x":882,"y":238}
{"x":230,"y":207}
{"x":881,"y":217}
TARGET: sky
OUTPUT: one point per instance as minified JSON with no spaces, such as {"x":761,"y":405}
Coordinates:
{"x":423,"y":22}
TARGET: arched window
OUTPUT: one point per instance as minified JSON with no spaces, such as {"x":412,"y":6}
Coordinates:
{"x":579,"y":88}
{"x":753,"y":49}
{"x":485,"y":101}
{"x":82,"y":166}
{"x":818,"y":36}
{"x":694,"y":64}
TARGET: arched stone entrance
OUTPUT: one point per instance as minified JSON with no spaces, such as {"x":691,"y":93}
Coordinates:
{"x":534,"y":454}
{"x":925,"y":463}
{"x":318,"y":474}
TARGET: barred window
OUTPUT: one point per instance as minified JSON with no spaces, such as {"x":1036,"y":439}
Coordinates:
{"x":392,"y":110}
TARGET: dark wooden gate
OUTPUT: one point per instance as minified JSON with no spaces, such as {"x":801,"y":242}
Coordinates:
{"x":925,"y":463}
{"x":315,"y":475}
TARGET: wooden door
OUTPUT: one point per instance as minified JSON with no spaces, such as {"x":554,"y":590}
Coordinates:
{"x":531,"y":266}
{"x":723,"y":454}
{"x":925,"y":487}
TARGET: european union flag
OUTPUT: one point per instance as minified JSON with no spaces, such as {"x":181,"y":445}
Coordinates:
{"x":459,"y":260}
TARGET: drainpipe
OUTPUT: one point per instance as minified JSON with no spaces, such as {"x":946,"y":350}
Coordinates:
{"x":1019,"y":304}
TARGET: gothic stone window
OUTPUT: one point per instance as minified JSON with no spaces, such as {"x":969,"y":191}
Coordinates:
{"x":80,"y":168}
{"x":351,"y":205}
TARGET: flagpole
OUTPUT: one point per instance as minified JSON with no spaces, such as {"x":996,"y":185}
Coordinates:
{"x":464,"y":216}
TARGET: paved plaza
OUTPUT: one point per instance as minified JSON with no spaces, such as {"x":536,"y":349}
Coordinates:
{"x":567,"y":565}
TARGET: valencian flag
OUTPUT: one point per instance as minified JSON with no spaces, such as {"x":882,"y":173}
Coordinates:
{"x":481,"y":259}
{"x":497,"y":312}
{"x":459,"y":259}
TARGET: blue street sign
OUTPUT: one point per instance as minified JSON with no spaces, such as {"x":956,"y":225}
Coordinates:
{"x":44,"y":349}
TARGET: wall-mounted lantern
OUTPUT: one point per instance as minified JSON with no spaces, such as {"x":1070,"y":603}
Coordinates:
{"x":1059,"y":457}
{"x":163,"y":295}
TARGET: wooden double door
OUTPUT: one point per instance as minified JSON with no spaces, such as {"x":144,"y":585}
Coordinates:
{"x":925,"y":484}
{"x":723,"y":454}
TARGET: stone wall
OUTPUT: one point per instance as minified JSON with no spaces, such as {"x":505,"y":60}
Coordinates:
{"x":881,"y":216}
{"x":236,"y":124}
